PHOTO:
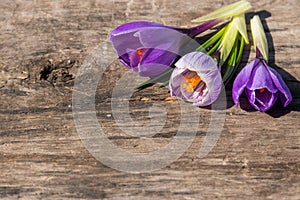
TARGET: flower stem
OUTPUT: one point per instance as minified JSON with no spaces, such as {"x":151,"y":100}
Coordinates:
{"x":193,"y":32}
{"x":212,"y":40}
{"x":231,"y":61}
{"x":234,"y":59}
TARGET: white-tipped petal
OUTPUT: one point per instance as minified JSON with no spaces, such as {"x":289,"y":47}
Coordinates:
{"x":259,"y":37}
{"x":225,"y":12}
{"x":235,"y":27}
{"x":227,"y":43}
{"x":206,"y":92}
{"x":240,"y":23}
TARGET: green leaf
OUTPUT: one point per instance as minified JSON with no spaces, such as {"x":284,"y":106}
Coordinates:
{"x":241,"y":49}
{"x":214,"y":48}
{"x":225,"y":12}
{"x":212,"y":40}
{"x":231,"y":62}
{"x":234,"y":65}
{"x":164,"y":84}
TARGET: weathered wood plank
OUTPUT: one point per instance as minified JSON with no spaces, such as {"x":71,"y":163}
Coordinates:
{"x":42,"y":156}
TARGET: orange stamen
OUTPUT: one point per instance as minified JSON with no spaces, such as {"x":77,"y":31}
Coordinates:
{"x":191,"y":80}
{"x":140,"y":52}
{"x":261,"y":90}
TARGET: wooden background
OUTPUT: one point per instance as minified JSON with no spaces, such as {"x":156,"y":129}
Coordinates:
{"x":43,"y":43}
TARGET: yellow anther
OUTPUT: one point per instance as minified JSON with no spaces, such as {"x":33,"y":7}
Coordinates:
{"x":191,"y":80}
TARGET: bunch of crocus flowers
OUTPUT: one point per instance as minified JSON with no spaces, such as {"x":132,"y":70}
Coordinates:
{"x":197,"y":72}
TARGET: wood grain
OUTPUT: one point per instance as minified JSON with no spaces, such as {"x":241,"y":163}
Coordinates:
{"x":43,"y":44}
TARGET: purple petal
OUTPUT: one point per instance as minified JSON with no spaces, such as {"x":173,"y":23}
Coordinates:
{"x":175,"y":82}
{"x":167,"y":41}
{"x":150,"y":69}
{"x":162,"y":38}
{"x":241,"y":81}
{"x":153,"y":62}
{"x":133,"y":27}
{"x":261,"y":101}
{"x":261,"y":78}
{"x":124,"y":44}
{"x":125,"y":59}
{"x":135,"y":58}
{"x":192,"y":32}
{"x":159,"y":56}
{"x":262,"y":86}
{"x":285,"y":94}
{"x":124,"y":38}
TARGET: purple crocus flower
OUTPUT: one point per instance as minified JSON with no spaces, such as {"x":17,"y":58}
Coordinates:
{"x":150,"y":48}
{"x":262,"y":85}
{"x":196,"y":79}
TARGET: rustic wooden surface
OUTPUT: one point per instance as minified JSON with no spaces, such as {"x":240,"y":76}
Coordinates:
{"x":43,"y":43}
